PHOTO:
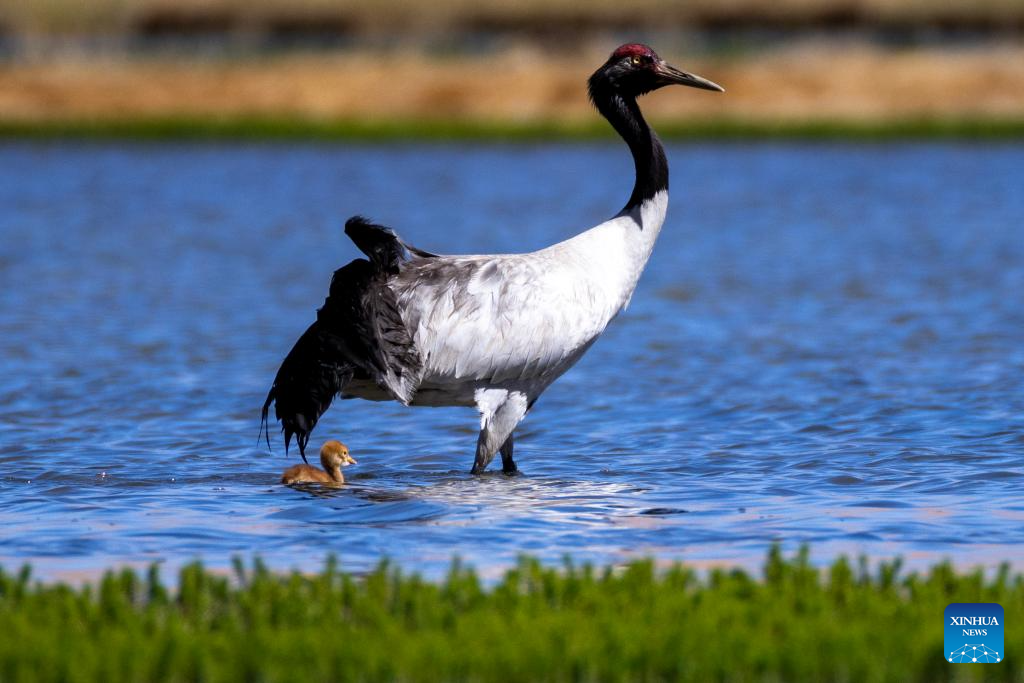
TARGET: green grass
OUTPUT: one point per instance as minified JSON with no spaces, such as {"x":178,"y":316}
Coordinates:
{"x":567,"y":624}
{"x":298,"y":129}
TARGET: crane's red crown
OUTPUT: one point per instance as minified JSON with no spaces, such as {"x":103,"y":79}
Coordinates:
{"x":634,"y":50}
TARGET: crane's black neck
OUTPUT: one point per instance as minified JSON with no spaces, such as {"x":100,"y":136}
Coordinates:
{"x":624,"y":114}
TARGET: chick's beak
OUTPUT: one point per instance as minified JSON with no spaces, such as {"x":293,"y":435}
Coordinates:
{"x":669,"y":75}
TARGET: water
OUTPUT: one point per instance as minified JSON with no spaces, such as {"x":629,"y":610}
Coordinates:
{"x":827,"y":347}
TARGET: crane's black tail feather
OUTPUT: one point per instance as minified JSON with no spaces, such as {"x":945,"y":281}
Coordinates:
{"x":311,"y":375}
{"x":358,"y":333}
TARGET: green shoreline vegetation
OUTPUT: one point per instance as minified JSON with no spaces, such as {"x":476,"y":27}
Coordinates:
{"x":256,"y":128}
{"x":572,"y":623}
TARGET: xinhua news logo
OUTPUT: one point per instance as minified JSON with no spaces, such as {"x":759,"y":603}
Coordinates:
{"x":974,"y":633}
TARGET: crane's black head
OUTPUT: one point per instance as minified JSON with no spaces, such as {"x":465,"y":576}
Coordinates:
{"x":635,"y":69}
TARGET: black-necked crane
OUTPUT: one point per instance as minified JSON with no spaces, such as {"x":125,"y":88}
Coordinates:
{"x":488,"y":331}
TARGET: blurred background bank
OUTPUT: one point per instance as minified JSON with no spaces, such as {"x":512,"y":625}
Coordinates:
{"x":459,"y":67}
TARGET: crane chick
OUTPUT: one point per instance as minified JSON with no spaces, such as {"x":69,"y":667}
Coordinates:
{"x":333,"y":456}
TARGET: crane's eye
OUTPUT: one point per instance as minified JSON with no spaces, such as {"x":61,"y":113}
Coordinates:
{"x":636,"y":60}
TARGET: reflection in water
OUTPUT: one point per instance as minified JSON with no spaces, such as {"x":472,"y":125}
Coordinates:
{"x":828,"y":347}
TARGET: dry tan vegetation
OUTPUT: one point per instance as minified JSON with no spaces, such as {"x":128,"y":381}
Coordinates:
{"x":524,"y":86}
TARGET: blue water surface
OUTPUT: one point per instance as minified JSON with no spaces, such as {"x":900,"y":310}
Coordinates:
{"x":827,"y":348}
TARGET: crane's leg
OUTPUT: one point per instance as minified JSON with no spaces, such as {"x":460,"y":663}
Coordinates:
{"x":500,"y":413}
{"x":508,"y":465}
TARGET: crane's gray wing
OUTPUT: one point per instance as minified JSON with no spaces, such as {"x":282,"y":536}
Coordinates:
{"x":514,"y":317}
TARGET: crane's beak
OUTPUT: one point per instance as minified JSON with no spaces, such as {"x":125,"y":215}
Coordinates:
{"x":669,"y":75}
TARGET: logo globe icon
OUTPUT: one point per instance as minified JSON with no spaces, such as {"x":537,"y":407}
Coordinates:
{"x":974,"y":653}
